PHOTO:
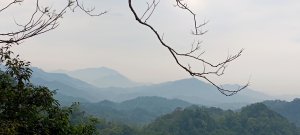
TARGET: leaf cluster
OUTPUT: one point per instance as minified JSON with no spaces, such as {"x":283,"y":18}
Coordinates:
{"x":28,"y":109}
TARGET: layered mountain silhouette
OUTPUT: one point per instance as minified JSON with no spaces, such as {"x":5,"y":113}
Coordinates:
{"x":194,"y":91}
{"x":190,"y":90}
{"x":140,"y":110}
{"x":65,"y":85}
{"x":102,"y":77}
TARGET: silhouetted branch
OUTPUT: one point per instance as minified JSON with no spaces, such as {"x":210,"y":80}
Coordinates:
{"x":218,"y":69}
{"x":150,"y":9}
{"x":10,"y":4}
{"x":88,"y":11}
{"x":42,"y":20}
{"x":197,"y":27}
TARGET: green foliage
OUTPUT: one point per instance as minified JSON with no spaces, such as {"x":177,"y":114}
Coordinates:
{"x":32,"y":110}
{"x":255,"y":119}
{"x":28,"y":109}
{"x":258,"y":119}
{"x":110,"y":128}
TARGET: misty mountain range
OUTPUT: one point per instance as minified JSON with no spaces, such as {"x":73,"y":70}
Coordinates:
{"x":102,"y":77}
{"x":141,"y":104}
{"x":138,"y":111}
{"x":81,"y":85}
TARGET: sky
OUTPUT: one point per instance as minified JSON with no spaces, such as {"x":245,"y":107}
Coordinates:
{"x":268,"y":30}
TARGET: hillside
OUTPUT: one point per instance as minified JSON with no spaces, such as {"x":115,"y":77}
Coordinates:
{"x":140,"y":110}
{"x":255,"y":119}
{"x":290,"y":110}
{"x":66,"y":85}
{"x":190,"y":90}
{"x":194,"y":91}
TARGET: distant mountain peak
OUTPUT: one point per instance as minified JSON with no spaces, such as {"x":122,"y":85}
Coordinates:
{"x":97,"y":69}
{"x":65,"y":84}
{"x":103,"y":77}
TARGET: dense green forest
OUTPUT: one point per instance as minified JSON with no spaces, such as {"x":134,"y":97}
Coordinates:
{"x":255,"y":119}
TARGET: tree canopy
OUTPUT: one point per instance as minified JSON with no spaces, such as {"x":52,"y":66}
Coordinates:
{"x":255,"y":119}
{"x":29,"y":109}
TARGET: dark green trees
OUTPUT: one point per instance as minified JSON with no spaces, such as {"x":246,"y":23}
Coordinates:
{"x":255,"y":119}
{"x":25,"y":108}
{"x":28,"y":109}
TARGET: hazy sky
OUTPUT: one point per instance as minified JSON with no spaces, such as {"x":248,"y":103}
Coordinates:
{"x":268,"y":30}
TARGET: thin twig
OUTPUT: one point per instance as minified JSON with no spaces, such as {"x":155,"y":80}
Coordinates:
{"x":219,"y":67}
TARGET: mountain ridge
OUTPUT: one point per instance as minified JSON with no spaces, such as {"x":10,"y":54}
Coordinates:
{"x":103,"y":77}
{"x":290,"y":110}
{"x":191,"y":90}
{"x":140,"y":110}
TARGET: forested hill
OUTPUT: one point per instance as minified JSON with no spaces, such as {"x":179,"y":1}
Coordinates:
{"x":255,"y":119}
{"x":290,"y":110}
{"x":137,"y":111}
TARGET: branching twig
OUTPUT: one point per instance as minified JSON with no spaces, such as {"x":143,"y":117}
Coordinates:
{"x":88,"y":11}
{"x":41,"y":21}
{"x":197,"y":27}
{"x":10,"y":4}
{"x":149,"y":11}
{"x":219,"y":68}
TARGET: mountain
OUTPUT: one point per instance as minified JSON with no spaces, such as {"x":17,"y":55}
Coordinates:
{"x":290,"y":110}
{"x":66,"y":85}
{"x":190,"y":90}
{"x":194,"y":91}
{"x":103,"y":77}
{"x":255,"y":119}
{"x":136,"y":111}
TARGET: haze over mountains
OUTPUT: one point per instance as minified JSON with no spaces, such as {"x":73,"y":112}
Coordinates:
{"x":190,"y":90}
{"x":290,"y":110}
{"x":102,"y":77}
{"x":139,"y":111}
{"x":65,"y":85}
{"x":150,"y":105}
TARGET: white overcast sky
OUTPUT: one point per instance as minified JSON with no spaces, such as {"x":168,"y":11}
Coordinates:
{"x":268,"y":30}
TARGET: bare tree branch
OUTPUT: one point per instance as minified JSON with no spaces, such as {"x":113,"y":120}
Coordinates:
{"x":197,"y":27}
{"x":150,"y":9}
{"x":10,"y":4}
{"x":45,"y":19}
{"x":218,"y":69}
{"x":88,"y":11}
{"x":41,"y":21}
